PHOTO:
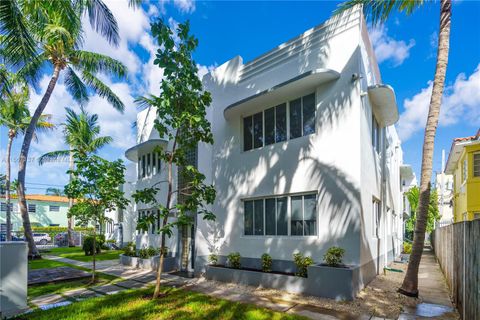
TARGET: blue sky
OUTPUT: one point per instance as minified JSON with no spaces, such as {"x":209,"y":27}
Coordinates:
{"x":405,"y":48}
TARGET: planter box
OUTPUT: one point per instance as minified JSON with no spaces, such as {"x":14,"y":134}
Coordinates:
{"x":322,"y":281}
{"x":169,"y":263}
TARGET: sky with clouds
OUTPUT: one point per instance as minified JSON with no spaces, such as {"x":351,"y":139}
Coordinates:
{"x":405,"y":47}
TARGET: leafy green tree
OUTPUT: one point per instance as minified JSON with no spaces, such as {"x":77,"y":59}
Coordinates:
{"x":181,"y":118}
{"x":380,"y":11}
{"x":413,"y":196}
{"x":15,"y":116}
{"x":55,"y":29}
{"x":96,"y":186}
{"x":81,"y":133}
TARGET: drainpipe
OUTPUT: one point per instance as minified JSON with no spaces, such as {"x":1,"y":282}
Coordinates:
{"x":464,"y":259}
{"x":383,"y":194}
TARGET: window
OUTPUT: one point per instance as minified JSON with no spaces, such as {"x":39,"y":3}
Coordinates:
{"x":464,"y":170}
{"x":149,"y":165}
{"x":143,"y":167}
{"x":32,"y":208}
{"x":476,"y":215}
{"x":375,"y":217}
{"x":476,"y":164}
{"x":4,"y":206}
{"x":158,"y":163}
{"x":154,"y":163}
{"x":139,"y":168}
{"x":54,"y":208}
{"x":376,"y":134}
{"x":270,"y":216}
{"x":270,"y":126}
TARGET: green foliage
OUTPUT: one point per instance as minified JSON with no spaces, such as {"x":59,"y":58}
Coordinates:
{"x":213,"y":259}
{"x":146,"y":253}
{"x":302,"y":263}
{"x":52,"y":231}
{"x":88,"y":244}
{"x":181,"y":119}
{"x":233,"y":260}
{"x":333,"y":257}
{"x":266,"y":262}
{"x":433,"y":213}
{"x":129,"y":250}
{"x":407,"y":247}
{"x":145,"y":222}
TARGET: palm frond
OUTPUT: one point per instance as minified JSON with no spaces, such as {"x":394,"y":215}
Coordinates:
{"x":53,"y":156}
{"x":103,"y":20}
{"x":31,"y":70}
{"x":103,"y":90}
{"x":17,"y":41}
{"x":378,"y":11}
{"x":76,"y":87}
{"x":96,"y":62}
{"x":100,"y":142}
{"x":145,"y":102}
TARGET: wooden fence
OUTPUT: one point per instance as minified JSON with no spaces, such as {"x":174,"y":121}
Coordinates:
{"x":457,"y":248}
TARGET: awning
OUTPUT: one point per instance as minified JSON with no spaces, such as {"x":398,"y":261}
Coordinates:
{"x":283,"y":91}
{"x":144,"y":147}
{"x":384,"y":104}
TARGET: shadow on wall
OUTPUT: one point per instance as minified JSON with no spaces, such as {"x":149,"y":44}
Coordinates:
{"x":339,"y":200}
{"x":41,"y":215}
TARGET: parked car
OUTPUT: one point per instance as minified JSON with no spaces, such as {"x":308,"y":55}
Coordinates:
{"x":61,"y":239}
{"x":42,"y":238}
{"x":3,"y":237}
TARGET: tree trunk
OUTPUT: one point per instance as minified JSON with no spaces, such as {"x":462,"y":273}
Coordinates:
{"x":22,"y":165}
{"x":156,"y":293}
{"x":410,"y":282}
{"x":11,"y":135}
{"x":71,"y":242}
{"x":94,"y":251}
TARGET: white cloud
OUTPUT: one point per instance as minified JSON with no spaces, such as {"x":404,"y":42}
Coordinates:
{"x":388,"y":49}
{"x":461,"y":102}
{"x":185,"y":6}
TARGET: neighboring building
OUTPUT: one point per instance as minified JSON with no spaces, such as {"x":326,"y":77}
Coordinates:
{"x":444,"y":186}
{"x":408,"y":180}
{"x":44,"y":210}
{"x":305,"y":156}
{"x":464,"y":164}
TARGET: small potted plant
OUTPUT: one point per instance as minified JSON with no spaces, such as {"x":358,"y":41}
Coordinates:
{"x":334,"y":256}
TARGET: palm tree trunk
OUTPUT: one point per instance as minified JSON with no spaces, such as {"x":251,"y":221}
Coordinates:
{"x":94,"y":251}
{"x":71,"y":243}
{"x":410,"y":283}
{"x":22,"y":165}
{"x":7,"y":186}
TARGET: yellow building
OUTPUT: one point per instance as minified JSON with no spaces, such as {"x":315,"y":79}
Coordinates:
{"x":464,"y":164}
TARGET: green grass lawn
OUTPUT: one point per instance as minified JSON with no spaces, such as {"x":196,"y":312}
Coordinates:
{"x":62,"y":286}
{"x":76,"y":253}
{"x":177,"y":304}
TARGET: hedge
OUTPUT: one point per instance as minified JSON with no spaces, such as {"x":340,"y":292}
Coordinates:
{"x":52,"y":231}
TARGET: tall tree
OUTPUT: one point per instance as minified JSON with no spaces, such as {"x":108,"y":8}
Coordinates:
{"x":96,"y":185}
{"x":81,"y":133}
{"x":56,"y":29}
{"x":181,"y":118}
{"x":15,"y":116}
{"x":380,"y":11}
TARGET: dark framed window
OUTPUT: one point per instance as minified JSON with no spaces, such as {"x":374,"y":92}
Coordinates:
{"x":295,"y":118}
{"x":281,"y":122}
{"x":54,"y":208}
{"x":248,"y":218}
{"x":144,"y":172}
{"x":149,"y":165}
{"x":32,"y":208}
{"x":258,"y":130}
{"x":269,"y":126}
{"x":476,"y":164}
{"x":247,"y":133}
{"x":308,"y":114}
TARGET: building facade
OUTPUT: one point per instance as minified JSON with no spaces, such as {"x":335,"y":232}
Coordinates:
{"x":464,"y":164}
{"x":306,"y":156}
{"x":43,"y":210}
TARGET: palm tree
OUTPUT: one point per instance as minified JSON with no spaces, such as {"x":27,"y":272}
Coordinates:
{"x":379,"y":11}
{"x":81,"y":133}
{"x":54,"y":192}
{"x":56,"y":29}
{"x":15,"y":116}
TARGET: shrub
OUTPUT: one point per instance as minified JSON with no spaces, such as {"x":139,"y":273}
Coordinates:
{"x":333,"y":256}
{"x":146,"y":253}
{"x":234,"y":260}
{"x":302,"y":263}
{"x":266,"y":262}
{"x":407,"y":247}
{"x":129,"y":250}
{"x":213,"y":259}
{"x":88,"y":244}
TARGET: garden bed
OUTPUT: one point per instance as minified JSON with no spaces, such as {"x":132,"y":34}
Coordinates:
{"x":169,"y":262}
{"x":322,"y":281}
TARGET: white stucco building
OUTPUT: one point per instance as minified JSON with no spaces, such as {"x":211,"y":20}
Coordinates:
{"x":306,"y":156}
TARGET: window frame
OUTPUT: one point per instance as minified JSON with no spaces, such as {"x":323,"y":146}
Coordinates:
{"x":288,"y":202}
{"x":250,"y":118}
{"x":376,"y":212}
{"x":54,"y":206}
{"x":31,"y":205}
{"x":476,"y":166}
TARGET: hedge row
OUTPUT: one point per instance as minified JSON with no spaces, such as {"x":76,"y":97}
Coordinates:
{"x":52,"y":231}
